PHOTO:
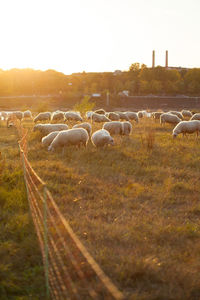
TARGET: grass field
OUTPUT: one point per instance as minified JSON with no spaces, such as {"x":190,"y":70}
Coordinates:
{"x":135,"y":206}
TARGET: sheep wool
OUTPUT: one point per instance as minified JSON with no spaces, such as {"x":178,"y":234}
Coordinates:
{"x":101,"y":138}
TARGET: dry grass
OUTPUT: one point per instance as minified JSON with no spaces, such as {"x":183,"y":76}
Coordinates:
{"x":135,"y":206}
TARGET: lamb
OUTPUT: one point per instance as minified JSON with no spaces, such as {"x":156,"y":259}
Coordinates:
{"x":57,"y":115}
{"x":169,"y":118}
{"x":113,"y":116}
{"x":73,"y":116}
{"x":101,"y":138}
{"x":186,"y":127}
{"x":176,"y":113}
{"x":47,"y":140}
{"x":74,"y":136}
{"x":45,"y":129}
{"x":122,"y":115}
{"x":195,"y":117}
{"x":86,"y":126}
{"x":132,"y":116}
{"x":99,"y":118}
{"x":43,"y":116}
{"x":186,"y":113}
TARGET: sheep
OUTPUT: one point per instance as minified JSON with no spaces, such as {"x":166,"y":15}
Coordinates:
{"x":176,"y":113}
{"x":156,"y":115}
{"x":195,"y":117}
{"x":101,"y":138}
{"x":116,"y":127}
{"x":47,"y":140}
{"x":43,"y":116}
{"x":74,"y":116}
{"x":140,"y":114}
{"x":88,"y":114}
{"x":99,"y":118}
{"x":45,"y":129}
{"x":28,"y":114}
{"x":57,"y":115}
{"x":186,"y":127}
{"x":186,"y":113}
{"x":86,"y":126}
{"x":113,"y":116}
{"x":74,"y":136}
{"x":127,"y":128}
{"x":132,"y":116}
{"x":100,"y":111}
{"x":15,"y":114}
{"x":4,"y":115}
{"x":169,"y":118}
{"x":122,"y":115}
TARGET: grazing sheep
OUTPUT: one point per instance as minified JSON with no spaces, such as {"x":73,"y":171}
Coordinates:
{"x":176,"y":113}
{"x":43,"y":116}
{"x":58,"y":115}
{"x":122,"y":115}
{"x":74,"y":136}
{"x":112,"y":116}
{"x":86,"y":126}
{"x":101,"y":138}
{"x":186,"y":127}
{"x":4,"y":115}
{"x":132,"y":116}
{"x":169,"y":118}
{"x":140,"y":114}
{"x":73,"y":116}
{"x":45,"y":129}
{"x":127,"y":128}
{"x":47,"y":140}
{"x":99,"y":118}
{"x":100,"y":111}
{"x":114,"y":127}
{"x":186,"y":113}
{"x":117,"y":127}
{"x":28,"y":114}
{"x":195,"y":117}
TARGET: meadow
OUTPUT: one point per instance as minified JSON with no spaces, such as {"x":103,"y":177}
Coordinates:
{"x":135,"y":206}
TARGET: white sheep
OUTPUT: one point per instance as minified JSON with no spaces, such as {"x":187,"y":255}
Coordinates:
{"x":99,"y":118}
{"x":28,"y":114}
{"x":117,"y":127}
{"x":140,"y":114}
{"x":57,"y":115}
{"x":122,"y":115}
{"x":186,"y":127}
{"x":47,"y":140}
{"x":156,"y":115}
{"x":132,"y":116}
{"x":176,"y":113}
{"x":73,"y":116}
{"x":113,"y":116}
{"x":88,"y":114}
{"x":43,"y":116}
{"x":101,"y":138}
{"x":195,"y":117}
{"x":74,"y":136}
{"x":86,"y":126}
{"x":169,"y":118}
{"x":100,"y":111}
{"x":186,"y":113}
{"x":45,"y":129}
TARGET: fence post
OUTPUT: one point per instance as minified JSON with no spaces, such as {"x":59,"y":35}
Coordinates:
{"x":24,"y":169}
{"x":46,"y":241}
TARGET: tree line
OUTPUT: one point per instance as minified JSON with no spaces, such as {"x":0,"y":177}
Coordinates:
{"x":138,"y":80}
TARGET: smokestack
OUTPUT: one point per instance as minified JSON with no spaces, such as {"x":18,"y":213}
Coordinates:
{"x":153,"y":59}
{"x":166,"y":59}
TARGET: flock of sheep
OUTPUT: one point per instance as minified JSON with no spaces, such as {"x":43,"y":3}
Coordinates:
{"x":56,"y":135}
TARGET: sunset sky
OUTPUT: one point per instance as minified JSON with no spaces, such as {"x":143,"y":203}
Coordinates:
{"x":98,"y":35}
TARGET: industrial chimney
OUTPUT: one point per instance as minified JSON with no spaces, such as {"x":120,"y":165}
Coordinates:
{"x":166,"y":59}
{"x":153,"y":59}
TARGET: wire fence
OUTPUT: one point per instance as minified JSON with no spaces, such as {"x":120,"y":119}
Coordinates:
{"x":70,"y":271}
